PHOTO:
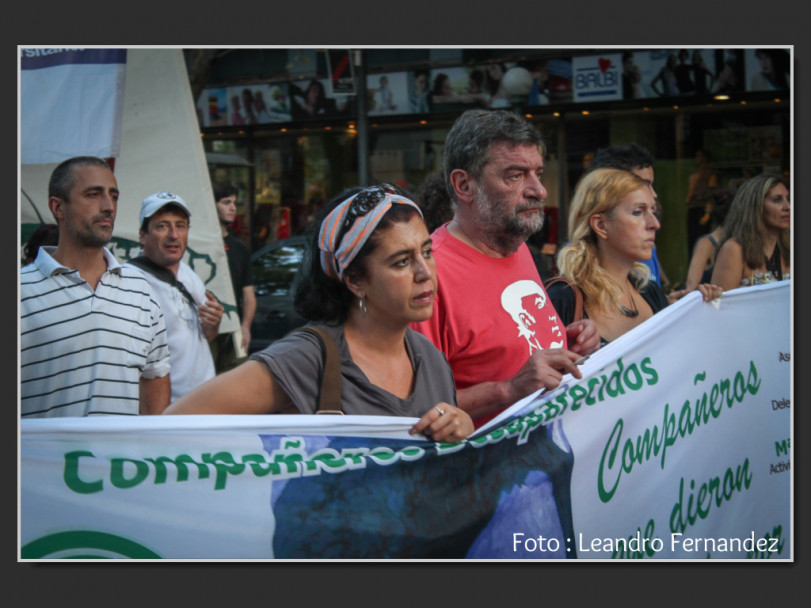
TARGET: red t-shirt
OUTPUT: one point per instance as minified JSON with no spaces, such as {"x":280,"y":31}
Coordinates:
{"x":490,"y":314}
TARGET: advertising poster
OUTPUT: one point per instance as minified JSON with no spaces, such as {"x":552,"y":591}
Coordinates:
{"x":311,"y":99}
{"x":658,"y":73}
{"x":767,"y":69}
{"x":729,"y":71}
{"x":670,"y":73}
{"x":419,"y":91}
{"x":459,"y":89}
{"x":257,"y":104}
{"x":387,"y":93}
{"x":212,"y":107}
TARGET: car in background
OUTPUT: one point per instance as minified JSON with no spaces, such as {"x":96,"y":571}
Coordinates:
{"x":277,"y":269}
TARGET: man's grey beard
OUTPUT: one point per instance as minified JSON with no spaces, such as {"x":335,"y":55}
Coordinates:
{"x":529,"y":226}
{"x":506,"y":237}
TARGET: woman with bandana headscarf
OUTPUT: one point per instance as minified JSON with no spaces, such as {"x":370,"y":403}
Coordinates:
{"x":371,"y":273}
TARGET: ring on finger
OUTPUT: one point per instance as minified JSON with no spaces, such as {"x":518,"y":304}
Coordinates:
{"x":440,"y":410}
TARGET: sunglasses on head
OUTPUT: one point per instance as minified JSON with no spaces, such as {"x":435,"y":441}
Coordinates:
{"x":364,"y":202}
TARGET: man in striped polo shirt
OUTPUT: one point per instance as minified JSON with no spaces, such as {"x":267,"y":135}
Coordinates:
{"x":92,"y":335}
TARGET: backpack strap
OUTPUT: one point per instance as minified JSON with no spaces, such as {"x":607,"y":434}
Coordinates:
{"x":578,"y":295}
{"x":329,"y":397}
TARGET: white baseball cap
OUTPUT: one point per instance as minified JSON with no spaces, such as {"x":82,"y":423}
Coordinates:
{"x":155,"y":202}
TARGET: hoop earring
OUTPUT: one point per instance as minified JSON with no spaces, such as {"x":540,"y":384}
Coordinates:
{"x":362,"y":305}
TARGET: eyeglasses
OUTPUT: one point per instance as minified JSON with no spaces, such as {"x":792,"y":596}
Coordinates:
{"x":363,"y":203}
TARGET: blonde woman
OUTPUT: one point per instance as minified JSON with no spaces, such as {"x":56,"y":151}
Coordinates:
{"x":757,"y":229}
{"x":613,"y":226}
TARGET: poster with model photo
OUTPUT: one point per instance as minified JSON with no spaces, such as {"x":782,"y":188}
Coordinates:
{"x":767,"y":69}
{"x":212,"y":108}
{"x":659,"y":77}
{"x":729,"y":74}
{"x":387,"y":93}
{"x":257,"y":104}
{"x":668,"y":73}
{"x":419,"y":91}
{"x":310,"y":99}
{"x":704,"y":72}
{"x":458,"y":89}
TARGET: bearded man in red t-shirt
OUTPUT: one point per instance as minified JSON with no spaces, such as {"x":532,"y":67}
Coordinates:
{"x":492,"y":318}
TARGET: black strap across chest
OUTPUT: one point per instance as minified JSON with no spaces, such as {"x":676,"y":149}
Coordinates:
{"x":164,"y":274}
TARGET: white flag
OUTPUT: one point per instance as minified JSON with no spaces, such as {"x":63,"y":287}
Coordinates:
{"x":70,"y":103}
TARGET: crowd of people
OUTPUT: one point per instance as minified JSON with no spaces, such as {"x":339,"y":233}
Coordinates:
{"x":387,"y":295}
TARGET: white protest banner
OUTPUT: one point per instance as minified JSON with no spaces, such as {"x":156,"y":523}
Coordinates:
{"x":71,"y":101}
{"x":675,"y":444}
{"x":682,"y":442}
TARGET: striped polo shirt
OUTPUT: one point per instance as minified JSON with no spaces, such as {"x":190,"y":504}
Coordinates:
{"x":83,"y":352}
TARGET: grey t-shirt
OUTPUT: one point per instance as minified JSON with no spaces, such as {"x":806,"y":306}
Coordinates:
{"x":296,"y":362}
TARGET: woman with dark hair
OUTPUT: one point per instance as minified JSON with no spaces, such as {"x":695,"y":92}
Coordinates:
{"x":730,"y":76}
{"x":667,"y":77}
{"x":631,"y":76}
{"x":757,"y":230}
{"x":494,"y":83}
{"x":371,"y":273}
{"x":442,"y":85}
{"x":703,"y":77}
{"x":706,"y":250}
{"x":434,"y":200}
{"x":684,"y":73}
{"x":702,"y":190}
{"x":312,"y":101}
{"x":774,"y":70}
{"x":419,"y":100}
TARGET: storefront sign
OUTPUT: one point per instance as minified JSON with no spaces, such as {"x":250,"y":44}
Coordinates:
{"x":597,"y":77}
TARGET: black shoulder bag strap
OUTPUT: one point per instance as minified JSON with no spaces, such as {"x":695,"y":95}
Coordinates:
{"x":164,"y":274}
{"x":329,"y":397}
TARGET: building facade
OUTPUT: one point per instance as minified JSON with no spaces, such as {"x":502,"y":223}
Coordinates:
{"x":292,"y":127}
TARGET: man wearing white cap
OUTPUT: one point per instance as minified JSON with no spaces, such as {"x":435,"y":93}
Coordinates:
{"x":192,"y":314}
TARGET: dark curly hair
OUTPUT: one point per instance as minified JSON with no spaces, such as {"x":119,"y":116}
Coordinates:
{"x":434,"y":200}
{"x":328,"y":300}
{"x":46,"y":234}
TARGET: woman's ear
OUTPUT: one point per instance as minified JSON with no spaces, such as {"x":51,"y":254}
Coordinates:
{"x":597,"y":223}
{"x":355,"y":285}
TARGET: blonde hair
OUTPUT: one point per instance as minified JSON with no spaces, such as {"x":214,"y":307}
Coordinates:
{"x":599,"y":191}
